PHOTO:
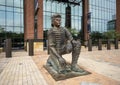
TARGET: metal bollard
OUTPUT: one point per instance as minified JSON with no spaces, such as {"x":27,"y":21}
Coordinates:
{"x":116,"y":43}
{"x":8,"y":48}
{"x":30,"y":47}
{"x":108,"y":44}
{"x":89,"y":45}
{"x":25,"y":46}
{"x":4,"y":46}
{"x":99,"y":44}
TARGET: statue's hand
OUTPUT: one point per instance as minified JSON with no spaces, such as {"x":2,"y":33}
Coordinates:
{"x":62,"y":61}
{"x":76,"y":43}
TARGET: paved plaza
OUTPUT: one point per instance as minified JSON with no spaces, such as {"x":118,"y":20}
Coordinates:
{"x":22,"y":69}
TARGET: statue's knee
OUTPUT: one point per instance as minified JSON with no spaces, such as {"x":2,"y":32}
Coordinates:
{"x":77,"y":46}
{"x":69,"y":48}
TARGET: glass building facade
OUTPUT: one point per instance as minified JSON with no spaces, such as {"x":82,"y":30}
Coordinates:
{"x":11,"y":19}
{"x":102,"y":11}
{"x":52,"y":7}
{"x":111,"y":25}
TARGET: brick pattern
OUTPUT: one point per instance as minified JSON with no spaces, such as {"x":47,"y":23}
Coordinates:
{"x":40,"y":20}
{"x":29,"y":19}
{"x":3,"y":63}
{"x":21,"y":71}
{"x":118,"y":16}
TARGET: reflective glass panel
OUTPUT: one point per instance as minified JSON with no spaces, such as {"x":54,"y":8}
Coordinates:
{"x":2,"y":18}
{"x":17,"y":19}
{"x":9,"y":2}
{"x":2,"y":2}
{"x":17,"y":3}
{"x":9,"y":16}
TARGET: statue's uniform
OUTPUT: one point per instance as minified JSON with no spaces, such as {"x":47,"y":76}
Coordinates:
{"x":58,"y":38}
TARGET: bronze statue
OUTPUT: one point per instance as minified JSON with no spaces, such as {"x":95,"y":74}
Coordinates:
{"x":60,"y":41}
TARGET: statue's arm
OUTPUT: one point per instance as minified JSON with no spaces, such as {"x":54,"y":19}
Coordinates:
{"x":70,"y":38}
{"x":68,"y":34}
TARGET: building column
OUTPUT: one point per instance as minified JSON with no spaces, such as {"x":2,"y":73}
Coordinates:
{"x":38,"y":45}
{"x":118,"y":16}
{"x":28,"y":19}
{"x":85,"y":9}
{"x":29,"y":25}
{"x":28,"y":22}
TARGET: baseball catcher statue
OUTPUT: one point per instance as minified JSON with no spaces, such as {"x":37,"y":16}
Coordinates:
{"x":60,"y":41}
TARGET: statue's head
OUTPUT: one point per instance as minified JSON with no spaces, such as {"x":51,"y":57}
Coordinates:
{"x":56,"y":20}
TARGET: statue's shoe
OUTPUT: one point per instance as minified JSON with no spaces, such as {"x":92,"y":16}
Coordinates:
{"x":76,"y":69}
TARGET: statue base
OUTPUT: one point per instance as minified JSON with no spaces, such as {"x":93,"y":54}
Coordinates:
{"x":57,"y":76}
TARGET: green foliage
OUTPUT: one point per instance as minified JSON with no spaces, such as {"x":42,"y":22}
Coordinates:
{"x":112,"y":34}
{"x":17,"y":38}
{"x":1,"y":29}
{"x":74,"y":33}
{"x":11,"y":35}
{"x":117,"y":35}
{"x":95,"y":36}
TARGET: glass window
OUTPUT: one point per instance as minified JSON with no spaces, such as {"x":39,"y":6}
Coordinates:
{"x":9,"y":9}
{"x":2,"y":18}
{"x":53,"y":7}
{"x":62,"y":6}
{"x":102,"y":13}
{"x":22,"y":30}
{"x":17,"y":3}
{"x":21,"y":3}
{"x":16,"y":9}
{"x":17,"y":29}
{"x":2,"y":2}
{"x":9,"y":2}
{"x":9,"y":29}
{"x":21,"y":10}
{"x":2,"y":7}
{"x":44,"y":6}
{"x":58,"y":8}
{"x":48,"y":24}
{"x":9,"y":16}
{"x":2,"y":28}
{"x":16,"y":19}
{"x":22,"y":23}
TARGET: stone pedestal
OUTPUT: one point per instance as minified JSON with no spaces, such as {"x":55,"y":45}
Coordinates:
{"x":57,"y":76}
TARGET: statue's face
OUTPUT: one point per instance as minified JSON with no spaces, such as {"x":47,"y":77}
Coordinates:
{"x":57,"y":22}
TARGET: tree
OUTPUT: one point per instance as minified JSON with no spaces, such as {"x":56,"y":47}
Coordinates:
{"x":1,"y":29}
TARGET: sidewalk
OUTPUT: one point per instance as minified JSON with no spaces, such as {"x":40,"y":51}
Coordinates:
{"x":104,"y":67}
{"x":22,"y":69}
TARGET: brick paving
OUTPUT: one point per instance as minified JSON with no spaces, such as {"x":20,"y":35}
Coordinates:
{"x":3,"y":63}
{"x":22,"y":69}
